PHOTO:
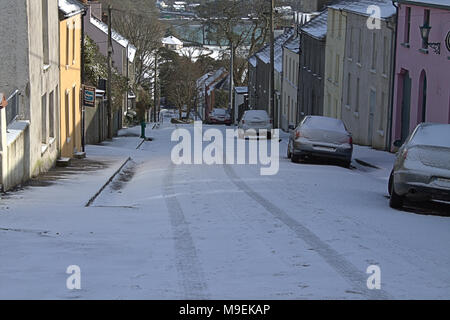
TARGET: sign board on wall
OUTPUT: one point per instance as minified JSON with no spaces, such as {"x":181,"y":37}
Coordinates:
{"x":447,"y":41}
{"x":89,"y":96}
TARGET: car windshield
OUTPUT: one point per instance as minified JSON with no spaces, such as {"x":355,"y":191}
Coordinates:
{"x":432,"y":135}
{"x":220,"y":112}
{"x":256,"y":114}
{"x":325,"y":123}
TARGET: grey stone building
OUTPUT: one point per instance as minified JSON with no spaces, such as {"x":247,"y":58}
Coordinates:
{"x":259,"y":75}
{"x":30,"y":78}
{"x":312,"y":66}
{"x":368,"y":73}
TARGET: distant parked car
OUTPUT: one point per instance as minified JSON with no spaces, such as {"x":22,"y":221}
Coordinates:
{"x":422,"y":167}
{"x":219,"y":116}
{"x":321,"y":137}
{"x":252,"y":122}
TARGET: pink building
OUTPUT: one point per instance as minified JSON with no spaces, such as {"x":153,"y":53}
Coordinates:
{"x":422,"y":74}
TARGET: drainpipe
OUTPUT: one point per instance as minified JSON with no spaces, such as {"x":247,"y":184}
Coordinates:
{"x":393,"y":74}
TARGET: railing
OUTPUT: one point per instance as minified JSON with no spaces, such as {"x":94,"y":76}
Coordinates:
{"x":12,"y":110}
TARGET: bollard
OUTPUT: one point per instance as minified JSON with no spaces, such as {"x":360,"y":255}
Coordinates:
{"x":143,"y":126}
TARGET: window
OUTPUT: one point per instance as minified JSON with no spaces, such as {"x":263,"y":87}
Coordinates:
{"x":74,"y":110}
{"x":407,"y":24}
{"x":336,"y":75}
{"x":357,"y":95}
{"x":74,"y":43}
{"x":51,"y":114}
{"x":67,"y":111}
{"x":332,"y":23}
{"x":426,"y":22}
{"x":330,"y":65}
{"x":44,"y":119}
{"x":382,"y":111}
{"x":385,"y":54}
{"x":67,"y":45}
{"x":350,"y":49}
{"x":45,"y":38}
{"x":374,"y":51}
{"x":360,"y":46}
{"x":349,"y":90}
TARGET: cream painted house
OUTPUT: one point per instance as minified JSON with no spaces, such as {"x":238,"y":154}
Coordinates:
{"x":334,"y":59}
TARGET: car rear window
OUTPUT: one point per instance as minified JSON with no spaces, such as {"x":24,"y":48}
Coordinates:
{"x":220,"y":112}
{"x":256,"y":114}
{"x":432,"y":135}
{"x":325,"y":123}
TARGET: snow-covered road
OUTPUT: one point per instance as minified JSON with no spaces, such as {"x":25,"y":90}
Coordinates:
{"x":161,"y":231}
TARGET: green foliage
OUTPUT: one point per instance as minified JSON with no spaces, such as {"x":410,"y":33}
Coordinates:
{"x":96,"y":67}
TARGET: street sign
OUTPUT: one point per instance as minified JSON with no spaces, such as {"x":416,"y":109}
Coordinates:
{"x":89,"y":96}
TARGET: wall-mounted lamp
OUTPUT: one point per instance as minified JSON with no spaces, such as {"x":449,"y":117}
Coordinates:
{"x":425,"y":33}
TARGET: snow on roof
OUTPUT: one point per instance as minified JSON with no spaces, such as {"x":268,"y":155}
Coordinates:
{"x":362,"y":6}
{"x":317,"y":27}
{"x":431,"y":3}
{"x":116,"y":37}
{"x":264,"y":53}
{"x":252,"y":61}
{"x":241,"y":90}
{"x":172,"y":40}
{"x":70,"y":7}
{"x":293,"y":44}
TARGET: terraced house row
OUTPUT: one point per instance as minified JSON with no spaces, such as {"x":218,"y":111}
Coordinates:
{"x":381,"y":66}
{"x":41,"y":86}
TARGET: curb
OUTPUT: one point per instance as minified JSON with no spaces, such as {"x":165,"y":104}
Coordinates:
{"x":366,"y":164}
{"x":92,"y":199}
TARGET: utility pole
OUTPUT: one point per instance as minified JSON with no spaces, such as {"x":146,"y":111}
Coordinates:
{"x":272,"y":64}
{"x":231,"y":77}
{"x":110,"y":51}
{"x":83,"y":80}
{"x":155,"y":88}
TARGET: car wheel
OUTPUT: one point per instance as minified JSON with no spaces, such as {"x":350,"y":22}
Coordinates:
{"x":396,"y":200}
{"x":346,"y":164}
{"x":294,"y":158}
{"x":391,"y":177}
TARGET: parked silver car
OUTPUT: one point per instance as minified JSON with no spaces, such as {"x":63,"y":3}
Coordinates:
{"x":252,"y":122}
{"x":322,"y":137}
{"x":422,"y":167}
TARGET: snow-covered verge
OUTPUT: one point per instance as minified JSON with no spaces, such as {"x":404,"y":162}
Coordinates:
{"x":161,"y":231}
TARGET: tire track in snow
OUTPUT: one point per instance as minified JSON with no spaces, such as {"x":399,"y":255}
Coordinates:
{"x":346,"y":269}
{"x":187,"y":262}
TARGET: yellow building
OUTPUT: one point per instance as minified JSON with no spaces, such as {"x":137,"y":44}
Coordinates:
{"x":70,"y":18}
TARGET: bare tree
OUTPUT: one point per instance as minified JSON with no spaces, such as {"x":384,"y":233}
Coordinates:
{"x":245,"y":23}
{"x":145,"y":33}
{"x":182,"y":83}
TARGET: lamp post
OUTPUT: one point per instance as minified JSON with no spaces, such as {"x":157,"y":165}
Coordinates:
{"x":425,"y":33}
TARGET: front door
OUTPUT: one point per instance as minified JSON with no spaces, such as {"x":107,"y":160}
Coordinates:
{"x":406,"y":106}
{"x":372,"y":105}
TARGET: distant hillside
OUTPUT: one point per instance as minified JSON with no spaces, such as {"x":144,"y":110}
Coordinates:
{"x":139,"y":6}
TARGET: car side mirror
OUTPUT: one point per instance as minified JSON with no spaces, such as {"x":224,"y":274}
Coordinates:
{"x":291,"y":127}
{"x":398,"y":143}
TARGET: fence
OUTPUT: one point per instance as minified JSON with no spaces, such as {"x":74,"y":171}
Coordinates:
{"x":12,"y":110}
